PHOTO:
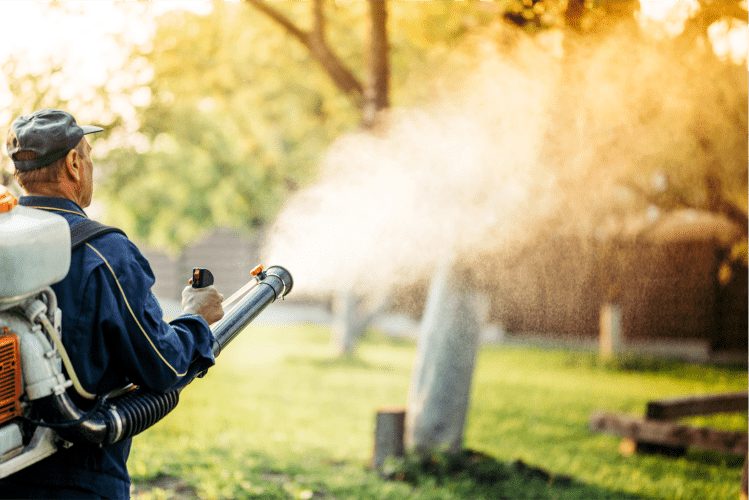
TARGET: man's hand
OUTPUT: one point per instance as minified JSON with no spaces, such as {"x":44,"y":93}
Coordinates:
{"x":205,"y":302}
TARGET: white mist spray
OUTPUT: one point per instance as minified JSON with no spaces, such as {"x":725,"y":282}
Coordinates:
{"x":522,"y":145}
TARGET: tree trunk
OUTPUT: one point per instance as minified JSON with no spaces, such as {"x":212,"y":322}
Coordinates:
{"x":573,"y":15}
{"x":370,"y":98}
{"x":347,"y":324}
{"x":441,"y":380}
{"x":716,"y":203}
{"x":376,"y":92}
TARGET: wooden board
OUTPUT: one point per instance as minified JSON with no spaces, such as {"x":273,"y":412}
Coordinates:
{"x":644,"y":430}
{"x":708,"y":404}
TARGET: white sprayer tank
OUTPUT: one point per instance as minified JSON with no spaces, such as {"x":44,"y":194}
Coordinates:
{"x":34,"y":249}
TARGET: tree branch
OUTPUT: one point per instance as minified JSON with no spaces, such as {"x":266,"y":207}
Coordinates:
{"x":278,"y":17}
{"x":314,"y":40}
{"x":715,"y":204}
{"x":318,"y":27}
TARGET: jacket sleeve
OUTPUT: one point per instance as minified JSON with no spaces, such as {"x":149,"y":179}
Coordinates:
{"x":129,"y":324}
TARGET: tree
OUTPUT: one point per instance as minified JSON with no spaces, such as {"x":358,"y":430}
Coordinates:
{"x":29,"y":90}
{"x":229,"y":85}
{"x":723,"y":195}
{"x":717,"y":181}
{"x":439,"y":395}
{"x":229,"y":131}
{"x":372,"y":97}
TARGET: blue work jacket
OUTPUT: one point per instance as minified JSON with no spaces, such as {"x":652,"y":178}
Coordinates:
{"x":113,"y":331}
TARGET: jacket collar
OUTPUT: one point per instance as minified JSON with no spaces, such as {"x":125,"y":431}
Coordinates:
{"x":52,"y":203}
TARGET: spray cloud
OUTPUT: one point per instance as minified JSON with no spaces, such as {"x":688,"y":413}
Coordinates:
{"x":530,"y":142}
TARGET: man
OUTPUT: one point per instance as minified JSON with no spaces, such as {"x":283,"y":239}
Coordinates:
{"x":112,"y":325}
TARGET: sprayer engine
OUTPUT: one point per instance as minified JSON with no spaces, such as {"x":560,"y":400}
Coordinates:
{"x":30,"y":369}
{"x":36,"y":414}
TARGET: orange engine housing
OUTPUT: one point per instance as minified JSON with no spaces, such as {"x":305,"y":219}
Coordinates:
{"x":10,"y":376}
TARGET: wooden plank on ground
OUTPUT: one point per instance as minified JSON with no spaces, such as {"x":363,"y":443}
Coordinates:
{"x":669,"y":433}
{"x":707,"y":404}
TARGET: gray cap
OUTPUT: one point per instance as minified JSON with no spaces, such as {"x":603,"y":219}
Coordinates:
{"x":47,"y":134}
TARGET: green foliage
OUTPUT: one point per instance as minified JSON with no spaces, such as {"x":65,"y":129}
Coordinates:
{"x":30,"y":86}
{"x":238,"y":118}
{"x":279,"y":418}
{"x":240,"y":112}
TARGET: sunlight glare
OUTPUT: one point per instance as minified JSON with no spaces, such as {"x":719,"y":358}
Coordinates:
{"x":90,"y":39}
{"x":666,"y":17}
{"x":730,"y":39}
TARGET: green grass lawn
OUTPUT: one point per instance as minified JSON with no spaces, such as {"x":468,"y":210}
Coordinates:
{"x":280,"y":416}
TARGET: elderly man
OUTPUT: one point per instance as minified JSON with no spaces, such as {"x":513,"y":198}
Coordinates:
{"x":112,"y":324}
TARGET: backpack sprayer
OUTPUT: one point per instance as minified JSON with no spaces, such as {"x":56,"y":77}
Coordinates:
{"x":34,"y":254}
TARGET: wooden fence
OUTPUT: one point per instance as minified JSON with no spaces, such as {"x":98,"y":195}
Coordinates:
{"x":230,"y":256}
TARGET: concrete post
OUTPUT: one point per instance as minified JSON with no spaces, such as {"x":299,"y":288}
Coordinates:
{"x":611,"y":340}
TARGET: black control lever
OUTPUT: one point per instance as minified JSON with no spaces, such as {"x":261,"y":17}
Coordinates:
{"x":201,"y":277}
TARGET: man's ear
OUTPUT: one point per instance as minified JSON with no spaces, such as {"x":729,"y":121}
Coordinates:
{"x":72,"y":165}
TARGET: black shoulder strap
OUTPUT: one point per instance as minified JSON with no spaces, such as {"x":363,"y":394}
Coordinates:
{"x":88,"y":229}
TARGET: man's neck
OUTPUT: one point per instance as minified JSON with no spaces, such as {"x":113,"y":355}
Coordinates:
{"x":57,"y":190}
